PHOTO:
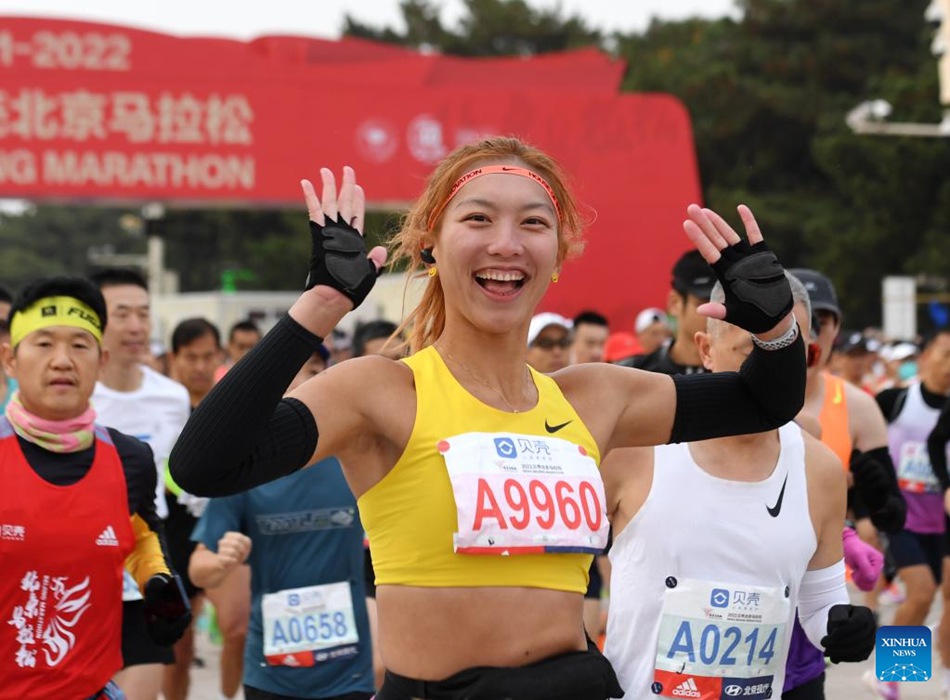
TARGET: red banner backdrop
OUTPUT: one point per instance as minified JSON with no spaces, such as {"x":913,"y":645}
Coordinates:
{"x":92,"y":112}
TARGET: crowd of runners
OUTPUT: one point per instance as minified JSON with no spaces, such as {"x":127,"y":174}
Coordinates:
{"x":482,"y":502}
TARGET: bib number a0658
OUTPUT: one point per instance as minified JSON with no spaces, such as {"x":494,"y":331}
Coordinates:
{"x":524,"y":494}
{"x":308,"y":619}
{"x":313,"y":629}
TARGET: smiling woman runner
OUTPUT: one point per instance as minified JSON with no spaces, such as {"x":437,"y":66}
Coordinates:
{"x":477,"y":477}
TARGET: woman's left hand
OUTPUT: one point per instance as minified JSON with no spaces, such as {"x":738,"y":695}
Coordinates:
{"x":758,"y":297}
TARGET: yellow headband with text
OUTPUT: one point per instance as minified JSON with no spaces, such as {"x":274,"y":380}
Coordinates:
{"x":54,"y":311}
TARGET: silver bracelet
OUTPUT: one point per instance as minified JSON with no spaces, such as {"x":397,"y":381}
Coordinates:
{"x":783,"y":341}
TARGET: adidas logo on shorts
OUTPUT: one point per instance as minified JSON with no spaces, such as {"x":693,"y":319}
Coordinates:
{"x":107,"y":538}
{"x":687,"y":689}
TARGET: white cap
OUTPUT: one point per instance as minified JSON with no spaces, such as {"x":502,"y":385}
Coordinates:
{"x":901,"y":351}
{"x":541,"y":321}
{"x":647,"y":318}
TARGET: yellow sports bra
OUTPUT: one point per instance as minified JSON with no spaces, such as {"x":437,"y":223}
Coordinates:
{"x":527,"y":484}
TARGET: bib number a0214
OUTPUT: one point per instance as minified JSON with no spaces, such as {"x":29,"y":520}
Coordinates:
{"x":720,"y":640}
{"x":524,"y":494}
{"x":301,"y":625}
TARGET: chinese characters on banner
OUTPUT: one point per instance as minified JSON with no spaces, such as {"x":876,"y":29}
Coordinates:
{"x":151,"y":125}
{"x":97,"y":112}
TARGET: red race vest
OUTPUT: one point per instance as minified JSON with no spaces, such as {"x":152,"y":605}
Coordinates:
{"x":62,"y":550}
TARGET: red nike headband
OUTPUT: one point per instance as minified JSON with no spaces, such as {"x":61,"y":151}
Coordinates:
{"x":491,"y":170}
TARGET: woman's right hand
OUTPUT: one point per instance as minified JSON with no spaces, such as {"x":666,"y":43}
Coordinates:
{"x":338,"y":258}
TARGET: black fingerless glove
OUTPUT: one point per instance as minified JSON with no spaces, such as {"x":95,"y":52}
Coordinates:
{"x":167,"y":610}
{"x":338,"y":259}
{"x":758,"y":295}
{"x":851,"y":632}
{"x":876,"y":484}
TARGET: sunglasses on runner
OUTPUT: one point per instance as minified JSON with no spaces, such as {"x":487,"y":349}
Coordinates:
{"x":551,"y":343}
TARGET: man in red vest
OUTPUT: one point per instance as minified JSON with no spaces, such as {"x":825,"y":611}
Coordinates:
{"x":76,"y":506}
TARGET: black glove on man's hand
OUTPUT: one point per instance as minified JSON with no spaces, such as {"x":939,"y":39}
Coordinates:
{"x":338,"y":259}
{"x":167,"y":610}
{"x":851,"y":632}
{"x":758,"y":295}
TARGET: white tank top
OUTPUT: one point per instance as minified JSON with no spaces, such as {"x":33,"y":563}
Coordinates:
{"x":705,"y":579}
{"x":907,"y":440}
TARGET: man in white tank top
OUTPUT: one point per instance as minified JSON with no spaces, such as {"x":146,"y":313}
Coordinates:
{"x":716,"y":543}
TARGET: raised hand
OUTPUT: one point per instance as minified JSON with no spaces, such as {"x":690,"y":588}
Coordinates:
{"x":338,"y":257}
{"x":758,"y":297}
{"x":233,"y":549}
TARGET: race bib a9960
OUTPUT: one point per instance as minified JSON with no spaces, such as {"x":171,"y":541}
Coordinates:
{"x":524,"y":494}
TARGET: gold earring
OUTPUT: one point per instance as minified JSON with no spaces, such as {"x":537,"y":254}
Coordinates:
{"x":432,"y":271}
{"x":555,"y":277}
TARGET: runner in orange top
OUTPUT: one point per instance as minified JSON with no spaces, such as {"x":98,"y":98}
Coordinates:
{"x":835,"y":426}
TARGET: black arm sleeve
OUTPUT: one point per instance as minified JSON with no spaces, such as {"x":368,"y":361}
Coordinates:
{"x":883,"y":456}
{"x":887,"y":401}
{"x":937,"y":447}
{"x":875,"y":483}
{"x":138,"y":464}
{"x":768,"y":391}
{"x":242,"y":434}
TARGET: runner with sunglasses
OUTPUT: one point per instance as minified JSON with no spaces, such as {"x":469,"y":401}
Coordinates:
{"x":549,"y":342}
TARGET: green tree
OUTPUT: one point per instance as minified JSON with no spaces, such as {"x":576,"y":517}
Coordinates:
{"x":486,"y":28}
{"x":49,"y":240}
{"x":768,"y":96}
{"x":200,"y":244}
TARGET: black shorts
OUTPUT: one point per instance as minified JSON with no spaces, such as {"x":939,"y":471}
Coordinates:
{"x":577,"y":675}
{"x":369,"y":574}
{"x":912,"y":549}
{"x":596,"y":583}
{"x":179,"y":525}
{"x":256,"y":694}
{"x":946,"y":537}
{"x":137,"y":647}
{"x":812,"y":690}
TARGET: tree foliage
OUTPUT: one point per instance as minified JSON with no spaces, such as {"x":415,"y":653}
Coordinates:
{"x":486,"y":28}
{"x":768,"y":96}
